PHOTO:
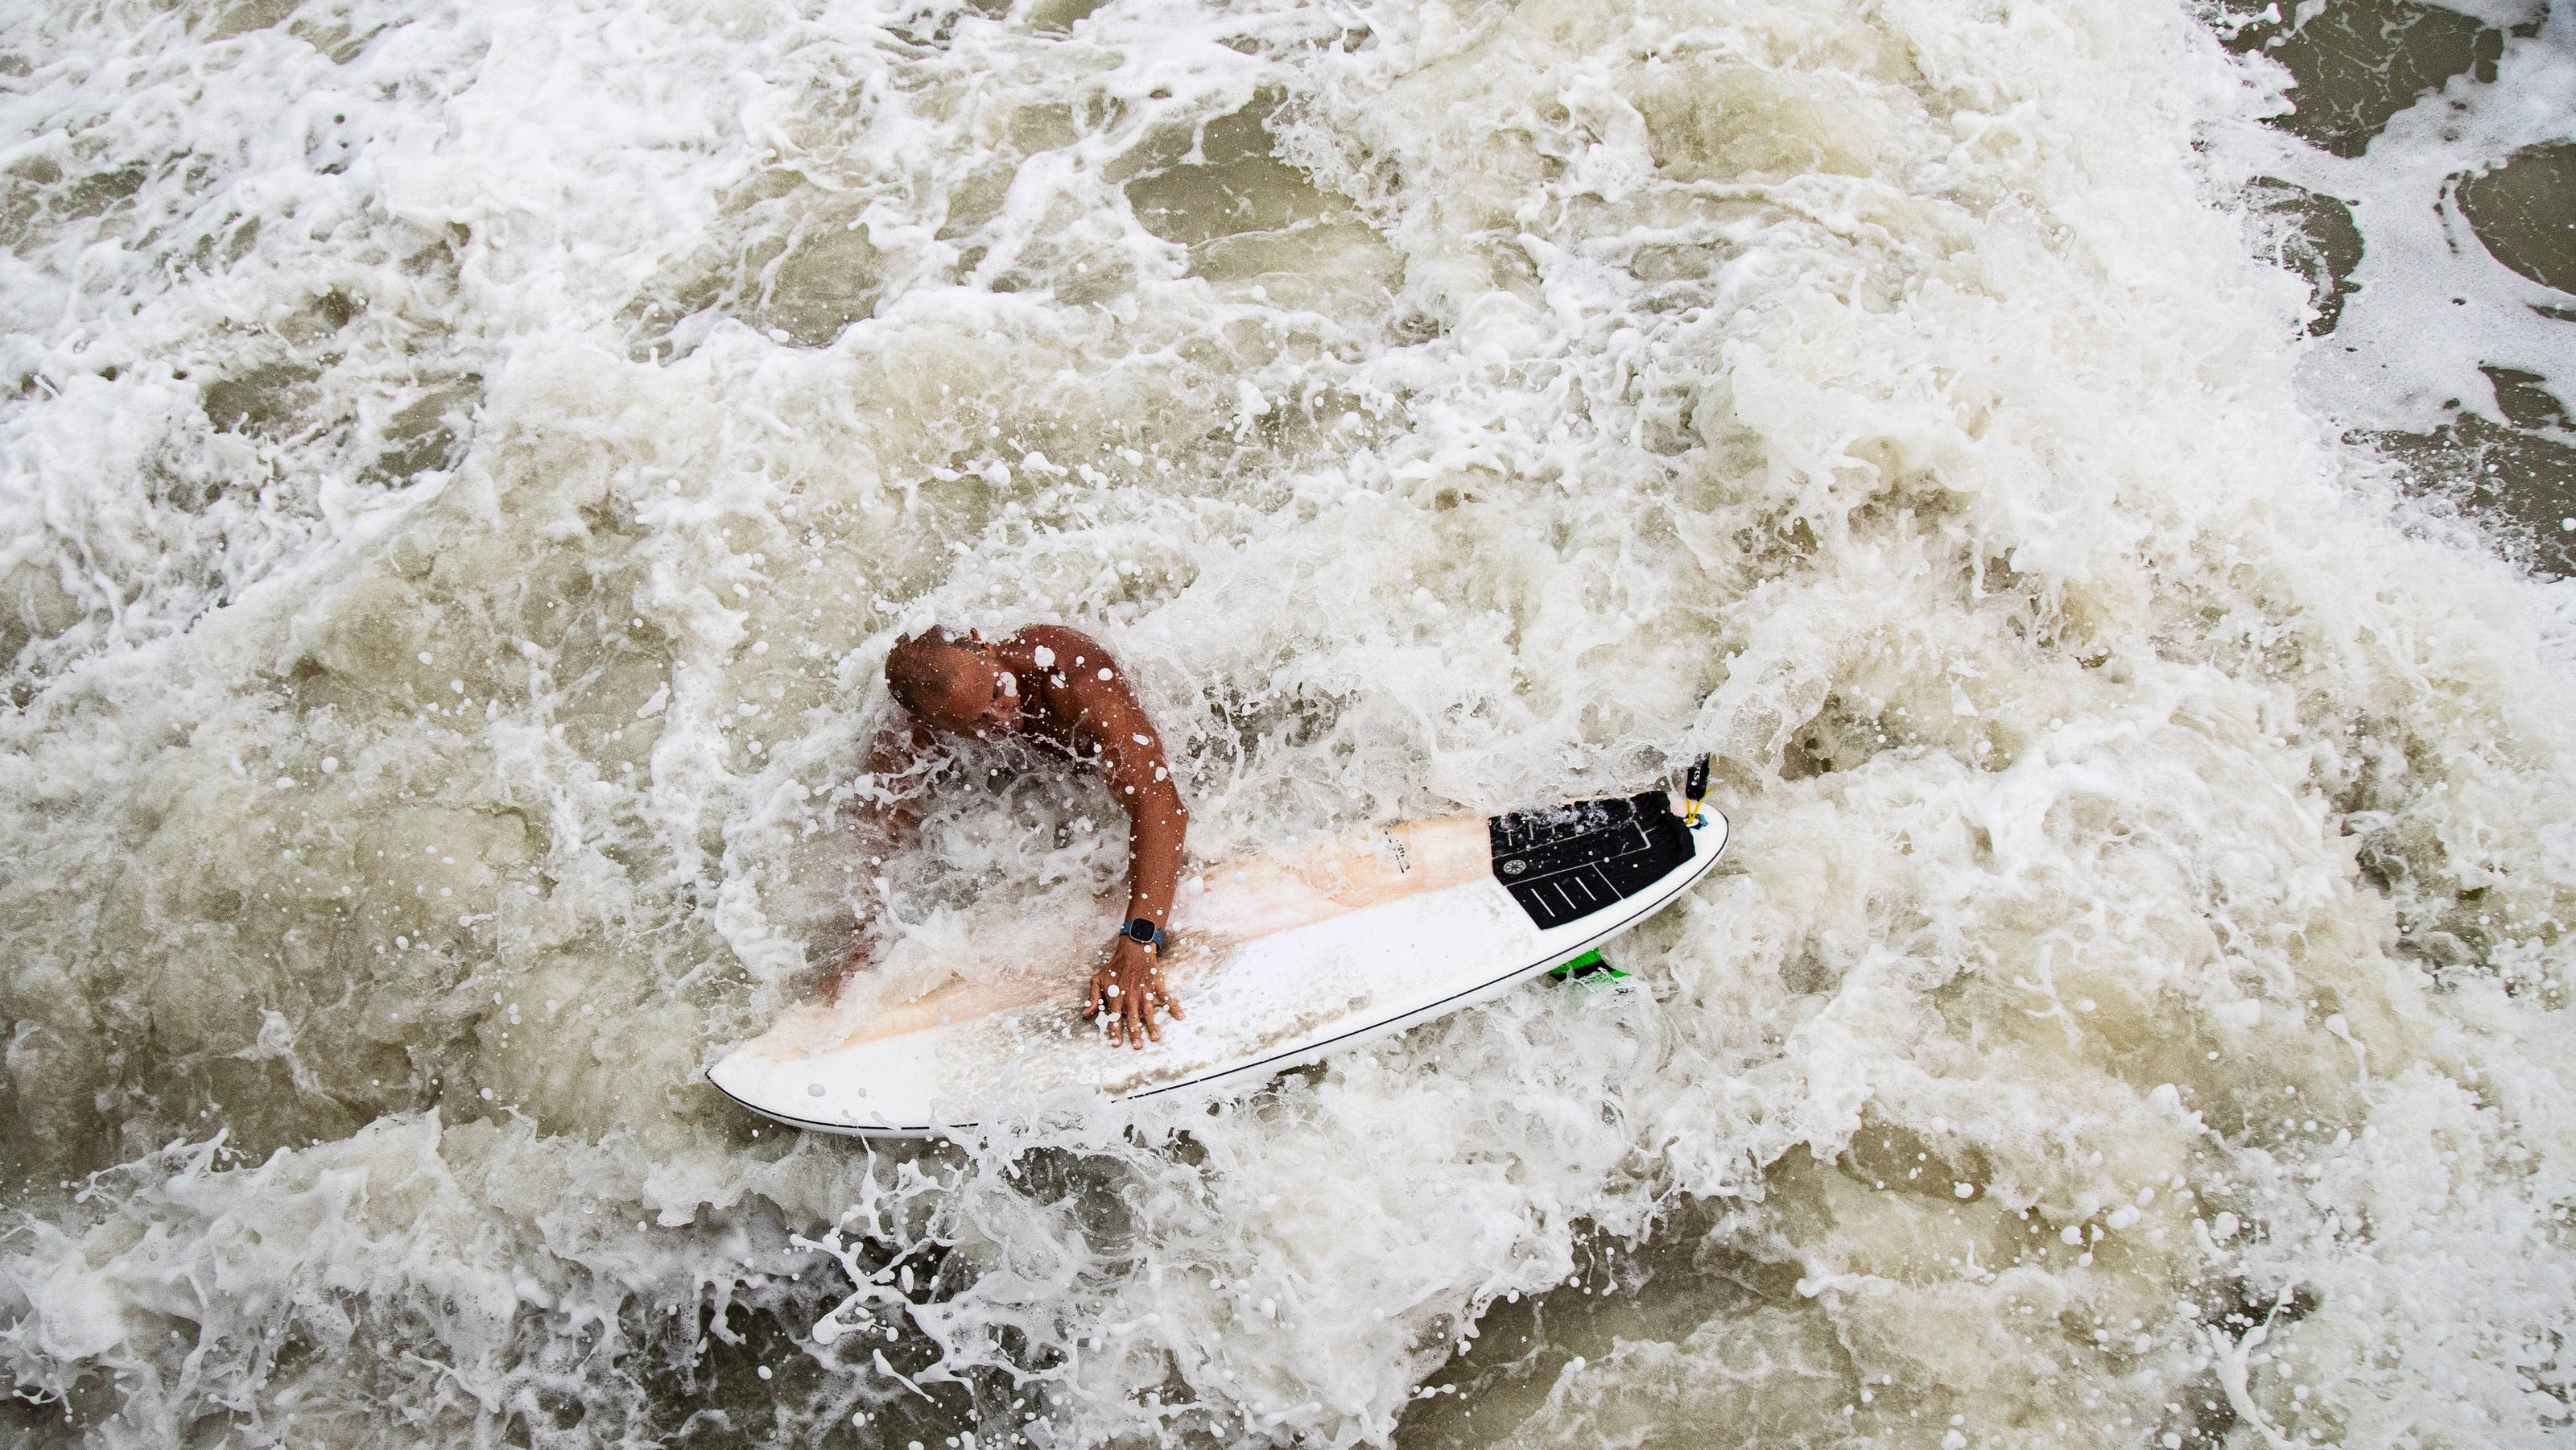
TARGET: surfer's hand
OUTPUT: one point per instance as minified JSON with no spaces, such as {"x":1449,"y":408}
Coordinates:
{"x":1127,"y":992}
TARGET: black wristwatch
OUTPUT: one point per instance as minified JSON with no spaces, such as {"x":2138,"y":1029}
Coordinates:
{"x":1141,"y":930}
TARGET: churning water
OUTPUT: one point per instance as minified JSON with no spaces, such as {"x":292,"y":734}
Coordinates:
{"x":465,"y":462}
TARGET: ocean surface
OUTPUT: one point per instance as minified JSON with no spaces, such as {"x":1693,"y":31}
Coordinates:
{"x":2096,"y":474}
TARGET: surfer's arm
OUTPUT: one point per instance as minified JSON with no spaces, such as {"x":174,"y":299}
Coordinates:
{"x":1100,"y":720}
{"x":1123,"y":746}
{"x":889,"y":785}
{"x":1157,"y":822}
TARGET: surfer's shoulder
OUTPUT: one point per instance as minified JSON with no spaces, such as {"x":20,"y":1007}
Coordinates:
{"x":1072,"y":661}
{"x":1065,"y":643}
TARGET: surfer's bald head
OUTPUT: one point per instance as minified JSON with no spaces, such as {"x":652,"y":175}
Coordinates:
{"x":952,"y":683}
{"x":925,"y":670}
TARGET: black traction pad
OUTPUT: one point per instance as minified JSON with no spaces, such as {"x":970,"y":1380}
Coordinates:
{"x":1567,"y":862}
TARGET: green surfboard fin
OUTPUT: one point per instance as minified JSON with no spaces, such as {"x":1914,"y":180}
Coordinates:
{"x":1585,"y":968}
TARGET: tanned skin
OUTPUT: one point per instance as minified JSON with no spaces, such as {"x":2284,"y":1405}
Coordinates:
{"x":1059,"y":689}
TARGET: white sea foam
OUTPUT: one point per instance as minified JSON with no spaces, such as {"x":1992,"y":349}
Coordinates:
{"x":2133,"y":1007}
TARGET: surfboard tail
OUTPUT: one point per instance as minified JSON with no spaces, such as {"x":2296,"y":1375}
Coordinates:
{"x":1567,"y":862}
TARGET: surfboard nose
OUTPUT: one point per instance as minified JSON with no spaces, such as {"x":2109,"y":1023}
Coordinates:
{"x":742,"y":1076}
{"x":821,"y":1093}
{"x":789,"y":1091}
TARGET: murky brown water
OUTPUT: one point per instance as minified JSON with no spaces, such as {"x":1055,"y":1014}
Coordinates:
{"x":2357,"y":66}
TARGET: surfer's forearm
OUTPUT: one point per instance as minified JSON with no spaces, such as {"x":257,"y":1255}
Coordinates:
{"x":884,"y":809}
{"x":1127,"y":992}
{"x":888,"y":791}
{"x":1157,"y":825}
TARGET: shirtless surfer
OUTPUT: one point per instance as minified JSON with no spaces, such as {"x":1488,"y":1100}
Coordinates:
{"x":1059,"y":689}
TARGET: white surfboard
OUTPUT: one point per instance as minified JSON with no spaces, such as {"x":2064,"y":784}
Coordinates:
{"x":1279,"y":960}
